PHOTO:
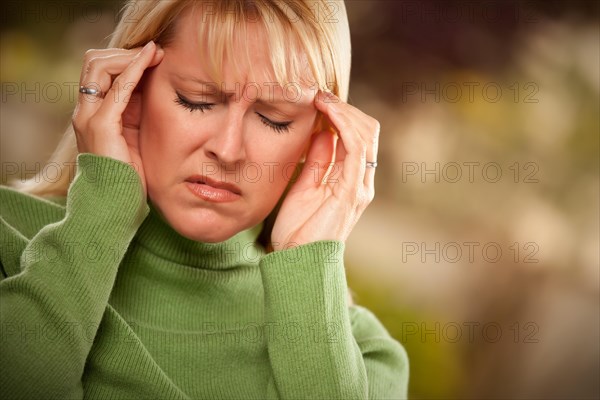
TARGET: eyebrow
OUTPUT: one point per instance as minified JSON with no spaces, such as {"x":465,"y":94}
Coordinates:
{"x":216,"y":90}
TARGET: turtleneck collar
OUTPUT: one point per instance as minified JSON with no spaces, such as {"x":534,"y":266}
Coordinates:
{"x":159,"y":238}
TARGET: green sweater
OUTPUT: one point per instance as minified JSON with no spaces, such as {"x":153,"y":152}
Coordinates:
{"x":100,"y":298}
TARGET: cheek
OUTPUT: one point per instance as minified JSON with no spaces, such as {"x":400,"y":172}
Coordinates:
{"x":279,"y":168}
{"x":156,"y":136}
{"x":153,"y":112}
{"x":161,"y":127}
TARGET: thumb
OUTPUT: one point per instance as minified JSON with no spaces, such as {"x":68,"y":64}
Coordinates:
{"x":132,"y":113}
{"x":318,"y":159}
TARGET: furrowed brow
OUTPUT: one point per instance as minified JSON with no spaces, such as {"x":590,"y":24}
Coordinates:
{"x":215,"y":89}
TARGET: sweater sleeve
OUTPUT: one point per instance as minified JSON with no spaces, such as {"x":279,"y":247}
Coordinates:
{"x":321,"y":348}
{"x":51,"y":309}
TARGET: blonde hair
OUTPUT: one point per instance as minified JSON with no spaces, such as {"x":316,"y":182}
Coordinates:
{"x":299,"y":32}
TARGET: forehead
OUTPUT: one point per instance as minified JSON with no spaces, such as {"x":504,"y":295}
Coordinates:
{"x":247,"y":59}
{"x":248,"y":63}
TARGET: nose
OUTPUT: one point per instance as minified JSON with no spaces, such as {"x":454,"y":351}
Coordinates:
{"x":226,"y":145}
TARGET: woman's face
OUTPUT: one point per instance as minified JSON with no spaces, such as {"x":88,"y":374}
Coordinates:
{"x":188,"y":148}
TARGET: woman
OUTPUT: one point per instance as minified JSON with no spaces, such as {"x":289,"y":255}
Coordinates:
{"x":151,"y":280}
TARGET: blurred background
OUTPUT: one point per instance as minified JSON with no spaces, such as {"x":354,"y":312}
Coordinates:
{"x":480,"y":253}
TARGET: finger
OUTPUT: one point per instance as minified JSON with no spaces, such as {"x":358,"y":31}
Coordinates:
{"x":97,"y":73}
{"x":318,"y":160}
{"x":354,"y":148}
{"x":367,"y":127}
{"x":95,"y":53}
{"x":340,"y":151}
{"x":372,"y":156}
{"x":113,"y":64}
{"x":124,"y":85}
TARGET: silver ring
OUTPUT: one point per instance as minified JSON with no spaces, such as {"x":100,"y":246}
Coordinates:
{"x":371,"y":164}
{"x":90,"y":91}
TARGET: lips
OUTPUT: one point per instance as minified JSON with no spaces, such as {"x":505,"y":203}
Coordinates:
{"x":205,"y":180}
{"x":211,"y":190}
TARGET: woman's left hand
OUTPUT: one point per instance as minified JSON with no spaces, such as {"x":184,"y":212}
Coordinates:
{"x":320,"y":207}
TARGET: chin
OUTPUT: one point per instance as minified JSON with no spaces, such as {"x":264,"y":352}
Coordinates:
{"x":201,"y":227}
{"x":204,"y":225}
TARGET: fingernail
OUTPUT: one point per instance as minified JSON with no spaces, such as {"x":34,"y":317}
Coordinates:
{"x":148,"y":45}
{"x":329,"y":97}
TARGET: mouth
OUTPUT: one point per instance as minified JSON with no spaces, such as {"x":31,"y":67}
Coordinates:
{"x":212,"y":190}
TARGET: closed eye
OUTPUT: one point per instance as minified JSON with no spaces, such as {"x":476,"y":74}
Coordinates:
{"x":279,"y":127}
{"x":185,"y":103}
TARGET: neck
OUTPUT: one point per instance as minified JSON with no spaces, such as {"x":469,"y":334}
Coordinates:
{"x":157,"y":236}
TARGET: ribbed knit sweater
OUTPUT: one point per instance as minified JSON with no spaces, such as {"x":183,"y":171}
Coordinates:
{"x":100,"y":298}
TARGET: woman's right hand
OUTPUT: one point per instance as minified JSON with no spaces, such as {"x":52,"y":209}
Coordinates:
{"x":108,"y":124}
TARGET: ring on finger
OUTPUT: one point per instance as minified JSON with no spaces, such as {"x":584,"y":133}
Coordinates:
{"x":90,"y":91}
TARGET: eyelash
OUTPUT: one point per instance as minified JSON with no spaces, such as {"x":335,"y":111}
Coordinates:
{"x":279,"y":127}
